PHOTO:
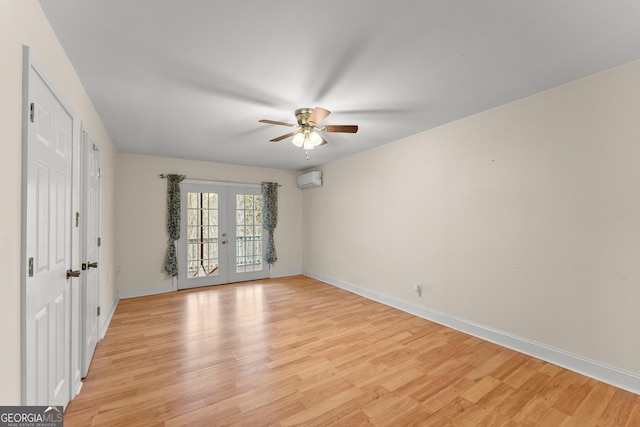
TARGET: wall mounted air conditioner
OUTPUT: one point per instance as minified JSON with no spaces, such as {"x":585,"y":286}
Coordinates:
{"x":310,"y":180}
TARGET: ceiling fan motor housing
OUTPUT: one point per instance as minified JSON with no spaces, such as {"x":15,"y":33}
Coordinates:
{"x":302,"y":115}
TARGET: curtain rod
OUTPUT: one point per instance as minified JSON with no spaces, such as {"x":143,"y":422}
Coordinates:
{"x":164,"y":176}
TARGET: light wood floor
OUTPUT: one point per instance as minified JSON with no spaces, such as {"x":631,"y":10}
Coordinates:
{"x":296,"y":351}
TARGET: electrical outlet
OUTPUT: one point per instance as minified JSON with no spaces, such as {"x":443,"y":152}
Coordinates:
{"x":418,"y":288}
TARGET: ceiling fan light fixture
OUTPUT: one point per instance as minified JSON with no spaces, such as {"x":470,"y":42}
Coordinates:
{"x":315,"y":139}
{"x":298,"y":139}
{"x":308,"y":143}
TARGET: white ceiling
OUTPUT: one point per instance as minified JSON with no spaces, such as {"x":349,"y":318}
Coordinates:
{"x":191,"y":78}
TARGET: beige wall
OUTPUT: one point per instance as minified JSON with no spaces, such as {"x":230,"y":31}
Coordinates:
{"x":23,"y":23}
{"x":524,"y":218}
{"x":141,"y":218}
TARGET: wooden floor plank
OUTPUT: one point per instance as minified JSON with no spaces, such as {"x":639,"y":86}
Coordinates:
{"x":296,"y":351}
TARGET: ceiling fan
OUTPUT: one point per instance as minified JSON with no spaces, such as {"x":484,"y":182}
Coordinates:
{"x":306,"y":132}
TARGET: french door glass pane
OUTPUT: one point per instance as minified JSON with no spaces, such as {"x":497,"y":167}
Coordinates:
{"x":202,"y":234}
{"x":248,"y":233}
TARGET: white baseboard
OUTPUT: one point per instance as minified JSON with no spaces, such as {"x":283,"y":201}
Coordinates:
{"x":161,"y":289}
{"x":608,"y":374}
{"x":76,"y":391}
{"x":107,"y":318}
{"x":77,"y":383}
{"x":143,"y":292}
{"x":278,"y":274}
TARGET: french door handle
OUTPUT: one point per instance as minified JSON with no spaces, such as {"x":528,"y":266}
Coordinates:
{"x":93,"y":265}
{"x":224,"y":241}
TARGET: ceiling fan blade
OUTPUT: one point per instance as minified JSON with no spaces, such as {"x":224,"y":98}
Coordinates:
{"x":324,"y":141}
{"x":317,"y":116}
{"x":273,"y":122}
{"x":281,"y":137}
{"x":341,"y":128}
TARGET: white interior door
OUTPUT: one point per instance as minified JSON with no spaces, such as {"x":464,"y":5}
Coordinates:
{"x":47,"y":308}
{"x":221,"y":234}
{"x":90,"y":252}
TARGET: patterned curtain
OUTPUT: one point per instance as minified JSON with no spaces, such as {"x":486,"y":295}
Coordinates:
{"x":173,"y":221}
{"x":270,"y":217}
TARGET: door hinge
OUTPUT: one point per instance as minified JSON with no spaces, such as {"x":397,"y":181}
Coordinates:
{"x":98,"y":310}
{"x":32,"y":112}
{"x":77,"y":219}
{"x":31,"y":267}
{"x":99,"y":241}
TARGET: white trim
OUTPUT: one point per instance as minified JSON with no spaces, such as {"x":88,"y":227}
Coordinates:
{"x":107,"y":319}
{"x":79,"y":385}
{"x":620,"y":378}
{"x":143,"y":292}
{"x":163,"y":289}
{"x":277,"y":274}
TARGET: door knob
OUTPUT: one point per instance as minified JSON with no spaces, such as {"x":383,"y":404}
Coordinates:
{"x":93,"y":265}
{"x":73,"y":273}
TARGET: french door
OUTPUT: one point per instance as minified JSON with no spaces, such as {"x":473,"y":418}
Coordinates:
{"x":221,"y":236}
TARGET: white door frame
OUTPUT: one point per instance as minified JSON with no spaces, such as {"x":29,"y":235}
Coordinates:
{"x":29,"y":63}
